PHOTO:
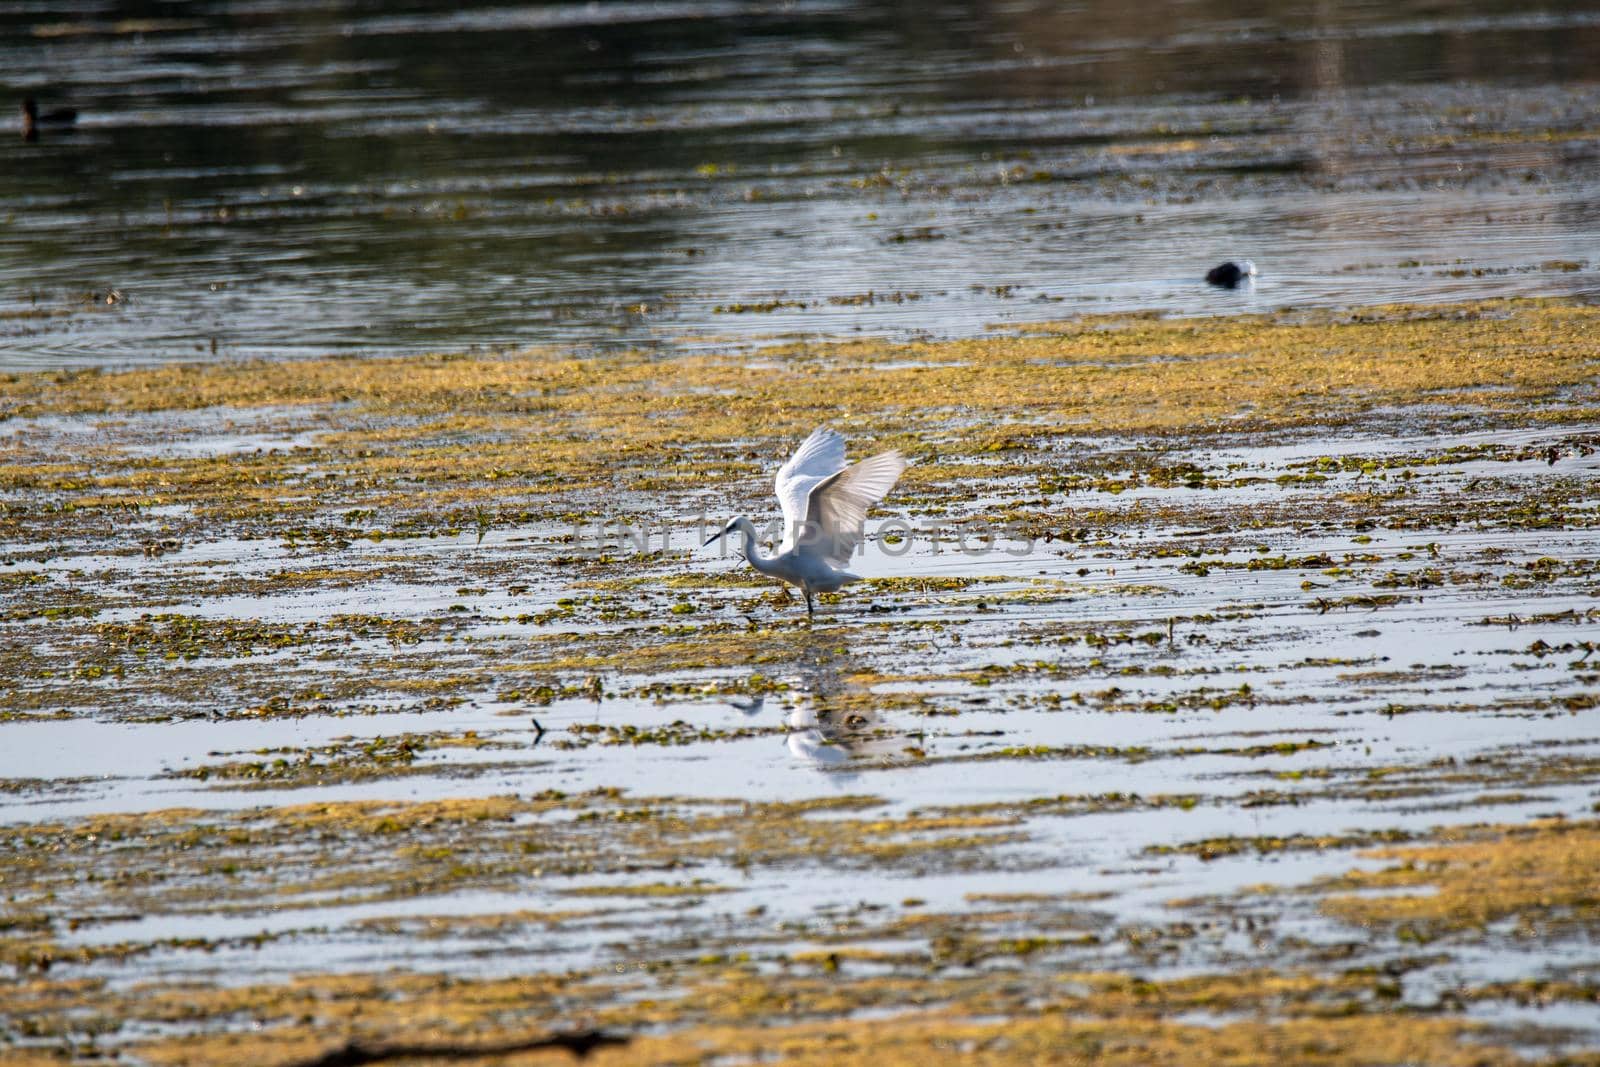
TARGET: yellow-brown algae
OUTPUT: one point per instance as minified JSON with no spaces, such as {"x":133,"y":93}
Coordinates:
{"x":1180,"y":586}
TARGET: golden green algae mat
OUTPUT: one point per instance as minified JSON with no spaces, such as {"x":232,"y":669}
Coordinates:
{"x":1221,"y":691}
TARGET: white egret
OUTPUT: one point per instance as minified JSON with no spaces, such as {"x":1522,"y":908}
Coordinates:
{"x":824,"y":506}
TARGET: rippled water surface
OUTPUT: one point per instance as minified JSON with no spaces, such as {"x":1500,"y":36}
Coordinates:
{"x":293,"y":177}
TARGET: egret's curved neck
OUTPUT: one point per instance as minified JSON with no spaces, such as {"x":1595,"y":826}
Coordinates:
{"x":752,"y":551}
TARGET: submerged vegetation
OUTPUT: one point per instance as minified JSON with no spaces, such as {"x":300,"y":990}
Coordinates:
{"x":1226,"y":695}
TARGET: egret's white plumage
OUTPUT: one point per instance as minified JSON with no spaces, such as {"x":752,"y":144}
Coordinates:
{"x":824,"y":506}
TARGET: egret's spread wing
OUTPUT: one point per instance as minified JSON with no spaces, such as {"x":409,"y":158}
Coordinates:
{"x":838,"y":506}
{"x":818,"y":458}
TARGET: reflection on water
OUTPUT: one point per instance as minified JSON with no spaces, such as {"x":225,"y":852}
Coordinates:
{"x":816,"y":733}
{"x":826,"y":727}
{"x":288,"y":177}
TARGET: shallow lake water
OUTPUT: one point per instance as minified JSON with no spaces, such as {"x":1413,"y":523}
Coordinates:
{"x":286,"y":179}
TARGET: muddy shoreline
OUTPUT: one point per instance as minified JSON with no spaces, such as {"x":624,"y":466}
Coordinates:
{"x":1260,"y":728}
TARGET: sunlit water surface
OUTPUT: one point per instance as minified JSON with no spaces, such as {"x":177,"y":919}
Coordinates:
{"x":279,"y":178}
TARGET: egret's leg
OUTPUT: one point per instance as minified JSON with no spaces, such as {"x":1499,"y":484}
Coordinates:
{"x":809,"y":610}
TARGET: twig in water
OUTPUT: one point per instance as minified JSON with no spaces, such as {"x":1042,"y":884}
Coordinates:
{"x":356,"y":1054}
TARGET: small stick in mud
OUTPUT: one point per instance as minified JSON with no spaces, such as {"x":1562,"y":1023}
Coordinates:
{"x":354,"y":1054}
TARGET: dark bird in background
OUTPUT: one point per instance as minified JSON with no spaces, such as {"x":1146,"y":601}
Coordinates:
{"x":32,"y":121}
{"x":1231,"y":275}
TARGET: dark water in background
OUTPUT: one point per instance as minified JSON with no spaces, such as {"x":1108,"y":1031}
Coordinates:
{"x":293,"y":177}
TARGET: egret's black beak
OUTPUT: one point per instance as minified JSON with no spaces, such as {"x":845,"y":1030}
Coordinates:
{"x":713,"y":537}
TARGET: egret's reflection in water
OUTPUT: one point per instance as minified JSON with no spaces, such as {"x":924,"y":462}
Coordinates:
{"x":829,"y":723}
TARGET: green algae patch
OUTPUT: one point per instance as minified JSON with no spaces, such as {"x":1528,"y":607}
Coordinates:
{"x":347,"y":760}
{"x":1215,"y":847}
{"x":677,"y":732}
